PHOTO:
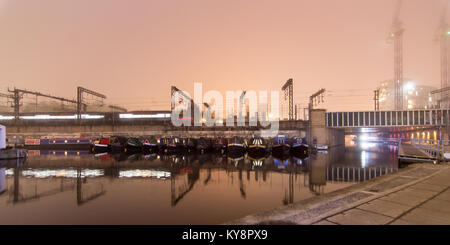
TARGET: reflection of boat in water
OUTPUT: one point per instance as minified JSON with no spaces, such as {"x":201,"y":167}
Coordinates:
{"x":120,"y":157}
{"x":257,"y":147}
{"x":236,"y":146}
{"x":280,"y":146}
{"x":321,"y":147}
{"x":281,"y":163}
{"x":150,"y":157}
{"x":299,"y":146}
{"x":299,"y":160}
{"x":259,"y":162}
{"x":134,"y":157}
{"x":191,"y":144}
{"x":204,"y":158}
{"x":236,"y":160}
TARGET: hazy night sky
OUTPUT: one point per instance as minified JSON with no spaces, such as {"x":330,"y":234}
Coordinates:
{"x":134,"y":50}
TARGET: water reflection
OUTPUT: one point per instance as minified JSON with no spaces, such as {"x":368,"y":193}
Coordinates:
{"x":185,"y":189}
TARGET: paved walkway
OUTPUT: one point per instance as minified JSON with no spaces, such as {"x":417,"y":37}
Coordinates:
{"x":419,"y":194}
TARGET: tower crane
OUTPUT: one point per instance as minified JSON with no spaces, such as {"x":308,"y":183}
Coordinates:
{"x":442,"y":36}
{"x":396,"y":36}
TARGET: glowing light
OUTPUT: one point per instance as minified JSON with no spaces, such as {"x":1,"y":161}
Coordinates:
{"x":61,"y":173}
{"x":257,"y":163}
{"x":364,"y":137}
{"x":135,"y":116}
{"x":144,"y":174}
{"x":409,"y":86}
{"x":364,"y":158}
{"x":366,"y":146}
{"x":63,"y":117}
{"x":6,"y":117}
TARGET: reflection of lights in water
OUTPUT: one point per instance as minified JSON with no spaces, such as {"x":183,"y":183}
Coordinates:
{"x":144,"y":174}
{"x":364,"y":137}
{"x":364,"y":158}
{"x":65,"y":173}
{"x":280,"y":163}
{"x":9,"y":172}
{"x":366,"y":145}
{"x":298,"y":161}
{"x":257,"y":163}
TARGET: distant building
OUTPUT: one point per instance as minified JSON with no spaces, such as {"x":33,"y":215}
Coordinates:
{"x":414,"y":96}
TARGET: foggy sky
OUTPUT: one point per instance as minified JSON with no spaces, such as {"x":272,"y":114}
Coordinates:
{"x":134,"y":50}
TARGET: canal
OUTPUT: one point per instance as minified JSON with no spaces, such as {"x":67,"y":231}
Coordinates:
{"x":73,"y":187}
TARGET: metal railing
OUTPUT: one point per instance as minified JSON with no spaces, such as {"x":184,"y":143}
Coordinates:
{"x":434,"y":148}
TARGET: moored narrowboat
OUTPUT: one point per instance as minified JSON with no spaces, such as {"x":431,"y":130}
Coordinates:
{"x":118,"y":143}
{"x":101,"y":145}
{"x":220,"y":144}
{"x":191,"y":144}
{"x":133,"y":145}
{"x":149,"y":144}
{"x":280,"y":146}
{"x":167,"y":145}
{"x":299,"y":146}
{"x":257,"y":147}
{"x":236,"y":146}
{"x":204,"y":144}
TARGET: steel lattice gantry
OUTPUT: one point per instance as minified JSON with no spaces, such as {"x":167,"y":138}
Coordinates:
{"x":431,"y":117}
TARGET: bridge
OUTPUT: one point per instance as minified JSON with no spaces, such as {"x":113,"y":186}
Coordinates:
{"x":430,"y":117}
{"x":94,"y":124}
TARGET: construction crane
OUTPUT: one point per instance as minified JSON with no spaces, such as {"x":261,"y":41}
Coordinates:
{"x":396,"y":36}
{"x":442,"y":36}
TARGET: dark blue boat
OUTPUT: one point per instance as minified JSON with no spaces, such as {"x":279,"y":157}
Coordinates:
{"x":281,"y":146}
{"x":299,"y":146}
{"x":167,"y":145}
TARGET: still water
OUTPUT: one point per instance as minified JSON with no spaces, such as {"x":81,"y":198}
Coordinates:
{"x":70,"y":187}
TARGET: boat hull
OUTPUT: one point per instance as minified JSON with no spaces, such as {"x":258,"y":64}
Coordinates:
{"x":150,"y":148}
{"x":281,"y":150}
{"x":257,"y":151}
{"x":235,"y":149}
{"x":299,"y":149}
{"x":100,"y":148}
